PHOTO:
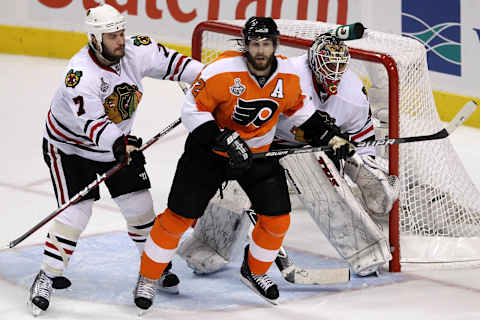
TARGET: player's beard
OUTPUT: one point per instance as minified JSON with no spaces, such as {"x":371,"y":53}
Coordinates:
{"x":259,"y":66}
{"x":111,"y":56}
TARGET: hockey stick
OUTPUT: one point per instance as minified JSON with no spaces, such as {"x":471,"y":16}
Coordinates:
{"x":89,"y":187}
{"x":460,"y":118}
{"x":296,"y":275}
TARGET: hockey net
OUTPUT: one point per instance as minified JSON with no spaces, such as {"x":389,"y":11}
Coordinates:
{"x":436,"y":222}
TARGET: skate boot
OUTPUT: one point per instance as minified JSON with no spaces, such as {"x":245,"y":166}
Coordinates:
{"x":40,"y":293}
{"x":144,"y":293}
{"x":261,"y":284}
{"x":285,"y":265}
{"x":169,"y":281}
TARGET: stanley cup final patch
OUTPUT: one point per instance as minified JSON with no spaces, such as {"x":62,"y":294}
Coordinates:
{"x":237,"y":89}
{"x":73,"y":78}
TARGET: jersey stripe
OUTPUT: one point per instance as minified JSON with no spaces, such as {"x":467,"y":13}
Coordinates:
{"x":58,"y":175}
{"x":177,"y":67}
{"x":52,"y":126}
{"x":362,"y":133}
{"x":179,"y":78}
{"x":170,"y":65}
{"x":52,"y":137}
{"x":95,"y":127}
{"x":65,"y":128}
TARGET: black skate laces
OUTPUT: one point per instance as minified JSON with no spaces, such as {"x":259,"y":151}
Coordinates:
{"x":42,"y":287}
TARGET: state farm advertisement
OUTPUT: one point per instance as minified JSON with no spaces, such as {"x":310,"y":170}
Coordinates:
{"x":169,"y":20}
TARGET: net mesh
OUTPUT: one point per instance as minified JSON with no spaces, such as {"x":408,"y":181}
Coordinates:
{"x":439,"y":204}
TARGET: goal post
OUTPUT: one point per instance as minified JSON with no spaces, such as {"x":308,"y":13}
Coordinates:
{"x":435,"y":221}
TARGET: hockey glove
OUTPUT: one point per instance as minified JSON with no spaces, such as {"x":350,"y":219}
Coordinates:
{"x":342,"y":148}
{"x":231,"y":143}
{"x":320,"y":130}
{"x":126,"y":149}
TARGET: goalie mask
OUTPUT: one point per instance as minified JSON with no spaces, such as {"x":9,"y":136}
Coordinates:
{"x":100,"y":20}
{"x":328,"y":59}
{"x":260,"y":28}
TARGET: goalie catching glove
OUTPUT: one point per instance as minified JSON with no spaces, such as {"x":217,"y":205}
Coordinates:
{"x":127,"y":149}
{"x":320,"y":130}
{"x":230,"y":142}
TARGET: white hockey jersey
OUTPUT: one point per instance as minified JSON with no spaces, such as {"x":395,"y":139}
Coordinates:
{"x":349,"y":107}
{"x":95,"y":104}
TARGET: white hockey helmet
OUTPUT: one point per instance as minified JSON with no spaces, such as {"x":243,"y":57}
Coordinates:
{"x":328,"y":58}
{"x":103,"y":19}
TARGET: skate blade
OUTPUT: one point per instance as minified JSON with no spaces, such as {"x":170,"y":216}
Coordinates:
{"x":317,"y":276}
{"x":141,"y":312}
{"x":251,"y":287}
{"x":170,"y":290}
{"x":36,"y":311}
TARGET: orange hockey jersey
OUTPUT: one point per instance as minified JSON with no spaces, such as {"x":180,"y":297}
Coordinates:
{"x":225,"y":91}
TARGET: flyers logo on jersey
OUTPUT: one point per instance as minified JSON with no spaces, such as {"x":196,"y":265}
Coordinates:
{"x":73,"y":78}
{"x":254,"y":112}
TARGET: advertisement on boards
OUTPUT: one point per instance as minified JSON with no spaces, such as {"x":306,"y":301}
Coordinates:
{"x":449,"y":30}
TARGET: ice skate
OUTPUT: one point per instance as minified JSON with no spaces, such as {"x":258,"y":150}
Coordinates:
{"x":260,"y":284}
{"x":144,"y":293}
{"x":40,"y":293}
{"x":285,"y":265}
{"x":169,"y":281}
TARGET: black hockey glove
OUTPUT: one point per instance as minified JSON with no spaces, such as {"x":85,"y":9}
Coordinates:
{"x":126,"y":148}
{"x":230,"y":142}
{"x":320,"y":130}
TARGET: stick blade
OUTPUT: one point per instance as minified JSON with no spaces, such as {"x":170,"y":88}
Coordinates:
{"x":318,"y":276}
{"x":462,"y":116}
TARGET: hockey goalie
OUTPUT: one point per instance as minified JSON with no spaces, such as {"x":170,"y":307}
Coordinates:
{"x":324,"y":184}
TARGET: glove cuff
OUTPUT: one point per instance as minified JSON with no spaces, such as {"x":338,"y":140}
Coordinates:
{"x":119,"y":148}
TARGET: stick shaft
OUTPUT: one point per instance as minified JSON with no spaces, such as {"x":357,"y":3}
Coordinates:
{"x":459,"y":118}
{"x":89,"y":187}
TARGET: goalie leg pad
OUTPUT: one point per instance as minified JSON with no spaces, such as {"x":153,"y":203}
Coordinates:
{"x":337,"y":213}
{"x":219,"y":234}
{"x":379,"y":190}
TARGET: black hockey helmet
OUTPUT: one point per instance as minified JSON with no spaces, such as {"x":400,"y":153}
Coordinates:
{"x":260,"y":28}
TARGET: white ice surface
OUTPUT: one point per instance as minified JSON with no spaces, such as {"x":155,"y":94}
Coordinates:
{"x":27,"y":85}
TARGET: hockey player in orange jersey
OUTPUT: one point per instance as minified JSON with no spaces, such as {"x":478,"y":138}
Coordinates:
{"x":231,"y":111}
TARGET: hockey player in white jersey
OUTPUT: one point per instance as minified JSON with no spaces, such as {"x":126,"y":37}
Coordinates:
{"x":87,"y":131}
{"x":340,"y":96}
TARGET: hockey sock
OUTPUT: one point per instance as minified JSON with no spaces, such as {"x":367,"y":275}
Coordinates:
{"x":162,"y":243}
{"x":267,"y":238}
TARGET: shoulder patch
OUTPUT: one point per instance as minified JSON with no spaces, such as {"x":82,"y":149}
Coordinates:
{"x":141,"y":40}
{"x":73,"y":78}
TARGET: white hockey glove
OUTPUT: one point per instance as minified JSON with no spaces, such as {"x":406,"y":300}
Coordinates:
{"x":379,"y":190}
